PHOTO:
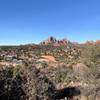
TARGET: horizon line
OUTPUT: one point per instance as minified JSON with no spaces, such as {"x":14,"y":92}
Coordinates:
{"x":29,"y":43}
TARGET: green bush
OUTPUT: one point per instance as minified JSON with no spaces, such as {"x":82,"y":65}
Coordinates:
{"x":10,"y":84}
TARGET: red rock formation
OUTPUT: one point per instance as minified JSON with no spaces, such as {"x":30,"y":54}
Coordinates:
{"x":54,"y":42}
{"x":97,"y":42}
{"x":48,"y":41}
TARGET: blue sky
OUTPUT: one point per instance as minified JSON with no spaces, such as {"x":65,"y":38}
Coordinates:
{"x":30,"y":21}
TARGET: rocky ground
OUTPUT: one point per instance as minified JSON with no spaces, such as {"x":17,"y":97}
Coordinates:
{"x":52,"y":70}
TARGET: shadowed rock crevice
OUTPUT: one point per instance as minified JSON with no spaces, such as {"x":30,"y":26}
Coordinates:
{"x":68,"y":93}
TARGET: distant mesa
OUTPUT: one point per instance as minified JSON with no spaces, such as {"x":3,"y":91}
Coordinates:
{"x":97,"y":42}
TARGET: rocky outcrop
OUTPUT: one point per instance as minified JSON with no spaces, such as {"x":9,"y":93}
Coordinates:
{"x":80,"y":68}
{"x":48,"y":41}
{"x":97,"y":42}
{"x":47,"y":58}
{"x":55,"y":42}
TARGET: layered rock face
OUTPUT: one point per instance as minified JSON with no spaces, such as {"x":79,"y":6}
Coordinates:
{"x":54,"y":41}
{"x":48,"y":41}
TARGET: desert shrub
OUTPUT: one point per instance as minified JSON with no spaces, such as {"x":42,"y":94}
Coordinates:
{"x":10,"y":85}
{"x":91,"y":55}
{"x":61,"y":74}
{"x":25,"y":83}
{"x":44,"y":64}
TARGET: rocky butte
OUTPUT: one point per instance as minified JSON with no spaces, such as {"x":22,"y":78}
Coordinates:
{"x":55,"y":42}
